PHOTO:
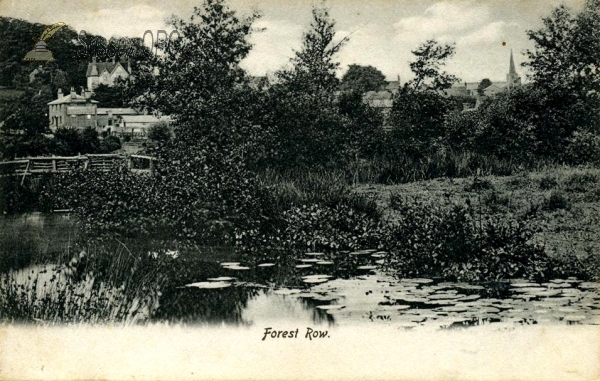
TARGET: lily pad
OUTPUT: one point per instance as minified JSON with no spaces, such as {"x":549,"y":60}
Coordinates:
{"x":366,"y":267}
{"x":209,"y":285}
{"x":314,"y":254}
{"x":303,"y":266}
{"x":287,"y":291}
{"x":221,"y":279}
{"x":266,"y":265}
{"x":324,"y":263}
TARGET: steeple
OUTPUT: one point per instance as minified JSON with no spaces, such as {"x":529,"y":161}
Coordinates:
{"x":512,"y":78}
{"x":511,"y":70}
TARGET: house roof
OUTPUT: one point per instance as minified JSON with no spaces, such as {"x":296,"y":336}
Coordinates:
{"x":117,"y":111}
{"x":71,"y":98}
{"x":144,"y":118}
{"x":393,"y":85}
{"x":101,"y":66}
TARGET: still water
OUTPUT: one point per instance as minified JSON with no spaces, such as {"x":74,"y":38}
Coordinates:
{"x":321,"y":289}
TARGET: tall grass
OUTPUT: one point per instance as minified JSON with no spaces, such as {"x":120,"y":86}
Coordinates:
{"x":442,"y":163}
{"x":98,"y":285}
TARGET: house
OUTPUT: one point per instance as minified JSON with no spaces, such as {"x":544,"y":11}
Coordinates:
{"x":106,"y":73}
{"x":72,"y":110}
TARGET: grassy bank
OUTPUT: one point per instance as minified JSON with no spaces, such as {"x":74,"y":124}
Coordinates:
{"x":561,"y":205}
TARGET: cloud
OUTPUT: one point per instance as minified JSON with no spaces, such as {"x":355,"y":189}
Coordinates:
{"x":443,"y":20}
{"x":488,"y":34}
{"x":272,"y":47}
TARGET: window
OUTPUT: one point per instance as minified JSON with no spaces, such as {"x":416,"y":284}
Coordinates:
{"x":89,"y":116}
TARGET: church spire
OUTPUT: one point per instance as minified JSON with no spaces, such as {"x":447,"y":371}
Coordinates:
{"x":511,"y":70}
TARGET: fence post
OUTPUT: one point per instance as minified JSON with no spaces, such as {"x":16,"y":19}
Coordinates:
{"x":53,"y":164}
{"x":129,"y":163}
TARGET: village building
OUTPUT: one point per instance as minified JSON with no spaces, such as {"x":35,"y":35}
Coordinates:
{"x":72,"y":110}
{"x":106,"y":73}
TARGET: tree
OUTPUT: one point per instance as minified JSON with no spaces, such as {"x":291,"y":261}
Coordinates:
{"x":313,"y":66}
{"x":484,"y":84}
{"x":567,"y":50}
{"x":307,"y":128}
{"x":362,"y":79}
{"x":109,"y":96}
{"x":564,"y":65}
{"x":430,"y":57}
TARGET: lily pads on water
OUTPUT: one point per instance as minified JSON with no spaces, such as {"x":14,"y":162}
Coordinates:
{"x":314,"y":254}
{"x":266,"y":265}
{"x":324,"y":263}
{"x":209,"y":285}
{"x":303,"y":266}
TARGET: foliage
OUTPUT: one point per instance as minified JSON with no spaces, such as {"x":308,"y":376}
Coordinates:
{"x":485,"y":83}
{"x":159,"y":132}
{"x":362,"y":79}
{"x":452,"y":242}
{"x":109,"y":96}
{"x":430,"y":56}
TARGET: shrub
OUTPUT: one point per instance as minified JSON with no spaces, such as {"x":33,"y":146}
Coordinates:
{"x":557,"y":200}
{"x":548,"y":182}
{"x":583,"y":147}
{"x":450,"y":242}
{"x":581,"y":182}
{"x":479,"y":185}
{"x":159,"y":132}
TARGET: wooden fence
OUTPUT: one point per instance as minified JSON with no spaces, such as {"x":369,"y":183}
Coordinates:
{"x":57,"y":164}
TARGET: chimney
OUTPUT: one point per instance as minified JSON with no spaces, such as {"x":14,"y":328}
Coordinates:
{"x":60,"y":93}
{"x":73,"y":94}
{"x":94,"y":70}
{"x":113,"y":60}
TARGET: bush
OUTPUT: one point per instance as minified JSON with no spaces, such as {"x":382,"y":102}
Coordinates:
{"x":548,"y":182}
{"x":159,"y":132}
{"x":583,"y":147}
{"x":557,"y":200}
{"x":450,"y":242}
{"x":479,"y":185}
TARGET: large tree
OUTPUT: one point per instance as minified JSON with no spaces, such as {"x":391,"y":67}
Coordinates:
{"x":427,"y":67}
{"x":314,"y":66}
{"x":565,"y":64}
{"x":567,"y":50}
{"x":362,"y":79}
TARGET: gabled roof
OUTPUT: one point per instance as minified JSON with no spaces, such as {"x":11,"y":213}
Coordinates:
{"x":71,"y":98}
{"x":101,"y":66}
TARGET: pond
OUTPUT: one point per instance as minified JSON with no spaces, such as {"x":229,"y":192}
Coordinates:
{"x":372,"y":296}
{"x":347,"y":288}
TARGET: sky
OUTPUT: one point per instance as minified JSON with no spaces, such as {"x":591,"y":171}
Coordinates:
{"x":382,"y":32}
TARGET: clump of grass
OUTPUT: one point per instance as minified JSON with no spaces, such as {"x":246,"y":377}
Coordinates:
{"x":479,"y":185}
{"x":520,"y":181}
{"x":496,"y":200}
{"x":556,"y":201}
{"x":581,"y":182}
{"x":548,"y":182}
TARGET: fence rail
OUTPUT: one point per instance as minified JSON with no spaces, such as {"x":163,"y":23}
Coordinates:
{"x":57,"y":164}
